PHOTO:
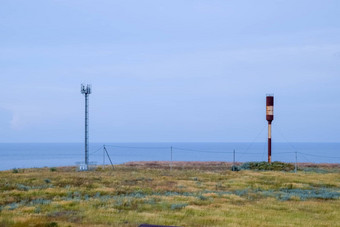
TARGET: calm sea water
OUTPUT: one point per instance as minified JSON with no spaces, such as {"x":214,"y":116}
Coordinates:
{"x":26,"y":155}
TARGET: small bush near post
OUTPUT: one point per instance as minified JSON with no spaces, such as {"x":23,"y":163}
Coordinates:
{"x":235,"y":168}
{"x":276,"y":166}
{"x":15,"y":170}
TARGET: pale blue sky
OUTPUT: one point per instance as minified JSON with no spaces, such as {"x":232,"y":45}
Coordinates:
{"x":169,"y":70}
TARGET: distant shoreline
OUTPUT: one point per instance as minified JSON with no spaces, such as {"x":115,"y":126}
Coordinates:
{"x":204,"y":165}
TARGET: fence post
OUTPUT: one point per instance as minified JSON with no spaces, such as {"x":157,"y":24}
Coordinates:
{"x":233,"y":168}
{"x":103,"y":156}
{"x":170,"y":158}
{"x":234,"y":158}
{"x":108,"y":157}
{"x":295,"y":161}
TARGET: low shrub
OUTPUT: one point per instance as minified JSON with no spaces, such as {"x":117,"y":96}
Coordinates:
{"x":285,"y":194}
{"x":47,"y":181}
{"x":316,"y":170}
{"x":121,"y":203}
{"x":52,"y":224}
{"x":53,"y":169}
{"x":151,"y":201}
{"x":322,"y":193}
{"x":178,"y":206}
{"x":13,"y":206}
{"x":40,"y":201}
{"x":235,"y":168}
{"x":22,"y":187}
{"x":275,"y":166}
{"x":15,"y":170}
{"x":241,"y":192}
{"x":37,"y":210}
{"x":202,"y":197}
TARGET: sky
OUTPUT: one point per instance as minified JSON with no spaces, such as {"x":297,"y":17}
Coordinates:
{"x":169,"y":71}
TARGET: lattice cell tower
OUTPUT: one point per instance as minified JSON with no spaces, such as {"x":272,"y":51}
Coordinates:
{"x":86,"y":91}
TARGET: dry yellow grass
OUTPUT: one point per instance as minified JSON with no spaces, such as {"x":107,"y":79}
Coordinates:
{"x":130,"y":195}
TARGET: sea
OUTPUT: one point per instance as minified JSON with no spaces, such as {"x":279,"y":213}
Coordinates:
{"x":30,"y":155}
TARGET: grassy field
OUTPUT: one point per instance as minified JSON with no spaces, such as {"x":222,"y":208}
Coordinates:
{"x":189,"y":195}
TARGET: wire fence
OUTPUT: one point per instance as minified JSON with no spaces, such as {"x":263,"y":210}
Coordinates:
{"x":40,"y":155}
{"x":122,"y":154}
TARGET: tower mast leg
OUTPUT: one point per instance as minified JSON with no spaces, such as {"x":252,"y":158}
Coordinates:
{"x":86,"y":131}
{"x":86,"y":91}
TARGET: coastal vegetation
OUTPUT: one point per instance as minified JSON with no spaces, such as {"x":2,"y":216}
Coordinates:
{"x":190,"y":194}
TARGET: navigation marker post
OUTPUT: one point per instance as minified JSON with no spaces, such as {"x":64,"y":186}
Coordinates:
{"x":269,"y":118}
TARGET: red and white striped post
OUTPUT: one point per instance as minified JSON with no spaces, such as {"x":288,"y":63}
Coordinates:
{"x":270,"y":118}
